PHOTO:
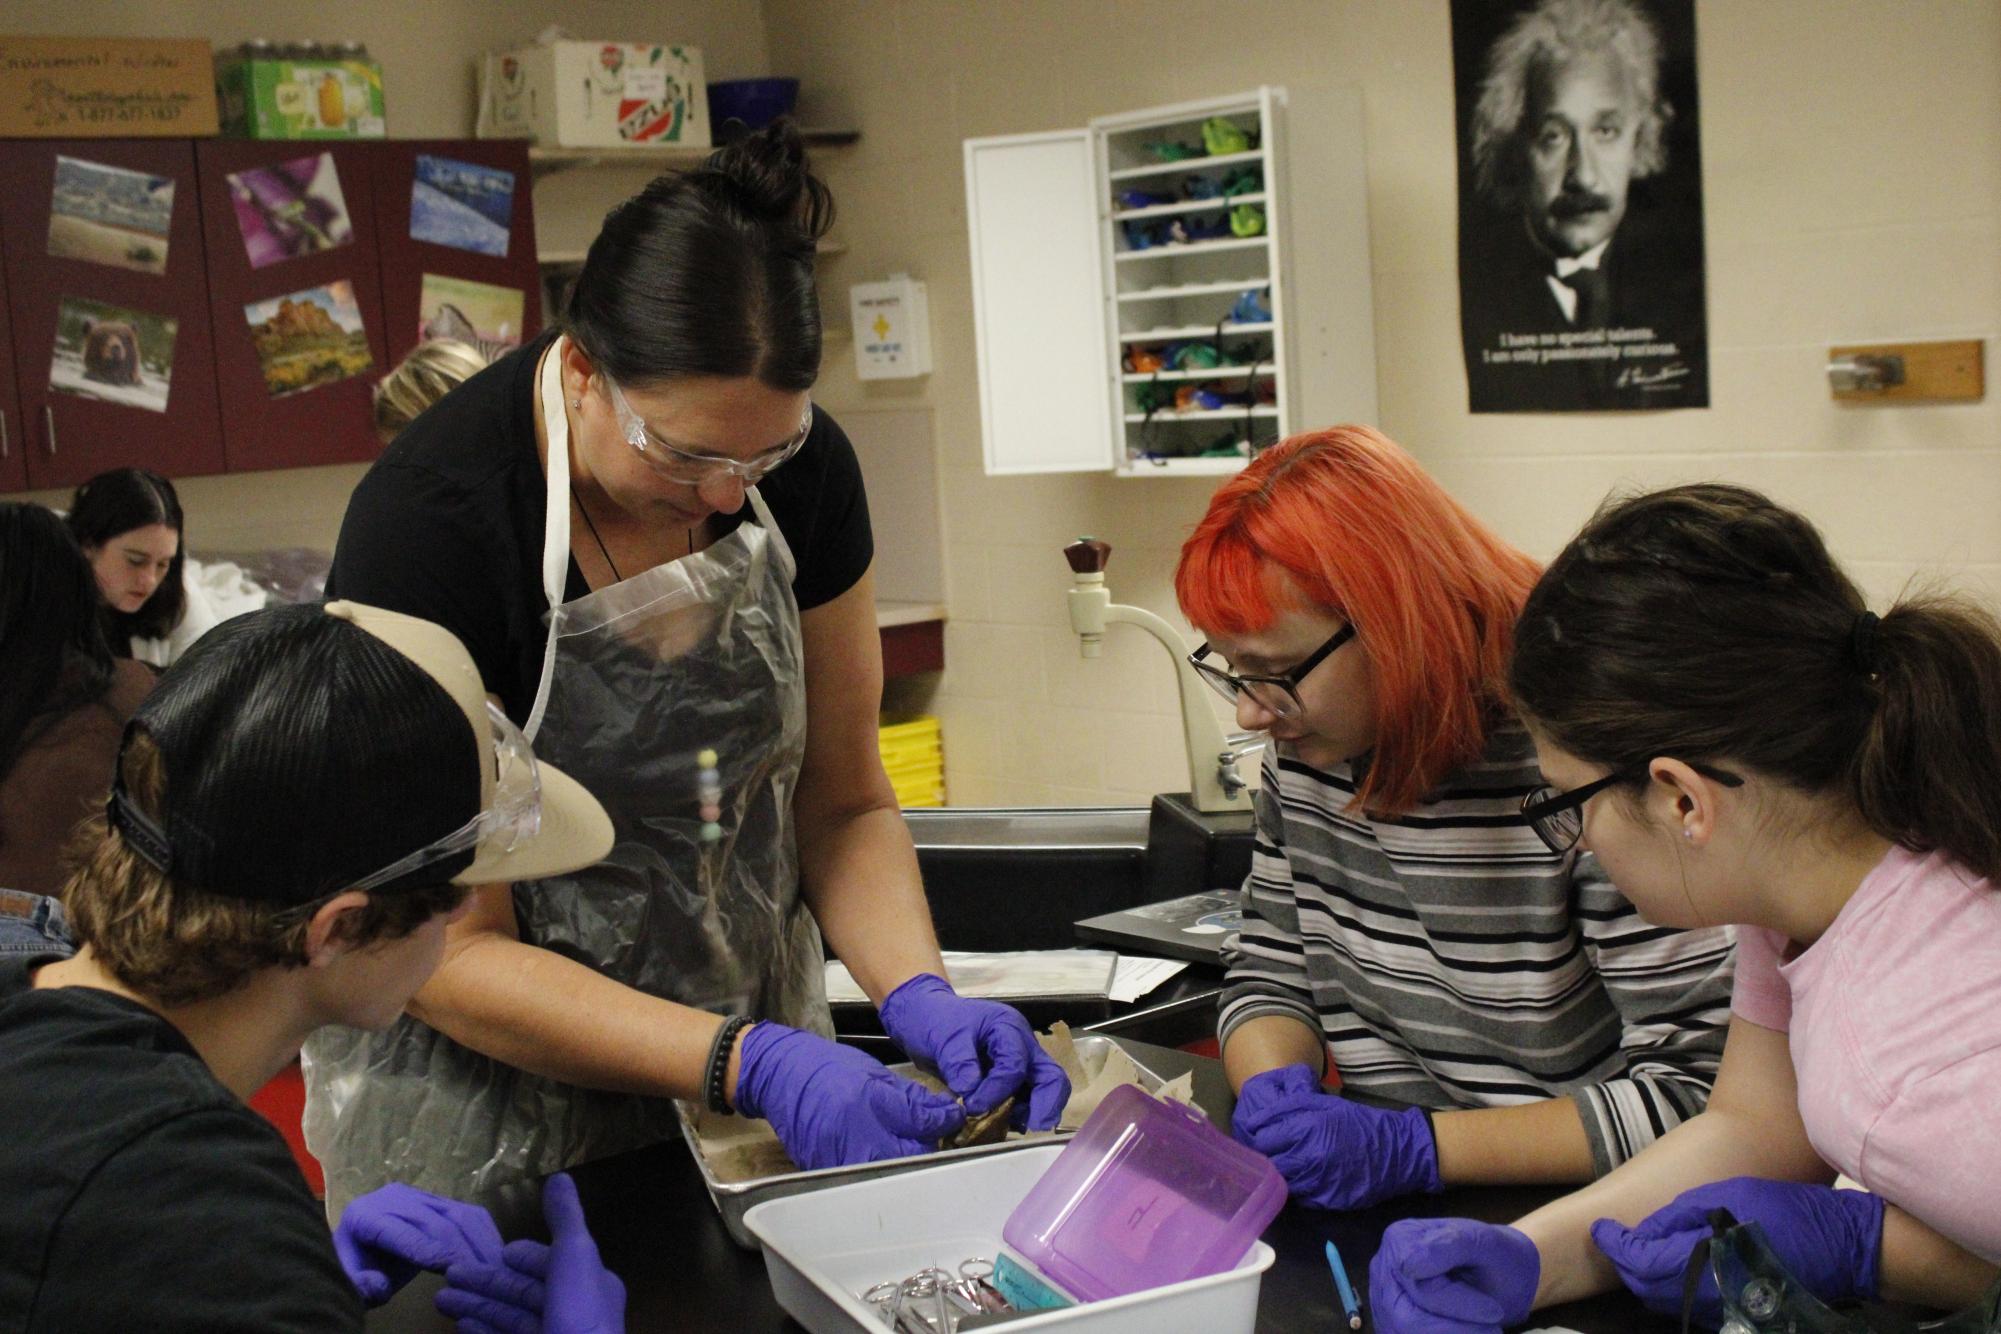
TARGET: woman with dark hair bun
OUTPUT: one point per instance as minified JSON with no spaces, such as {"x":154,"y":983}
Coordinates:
{"x":63,"y":704}
{"x":1738,"y":738}
{"x":658,"y":551}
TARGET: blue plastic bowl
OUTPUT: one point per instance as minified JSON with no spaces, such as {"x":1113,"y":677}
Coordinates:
{"x":755,"y":102}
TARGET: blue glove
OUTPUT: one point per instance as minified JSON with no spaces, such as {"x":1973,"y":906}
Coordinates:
{"x":1334,"y":1154}
{"x":1828,"y":1239}
{"x":832,"y":1105}
{"x":982,"y":1049}
{"x":1452,"y":1276}
{"x":386,"y":1236}
{"x":561,"y":1288}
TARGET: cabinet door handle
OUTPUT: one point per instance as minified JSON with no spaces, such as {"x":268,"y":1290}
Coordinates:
{"x":49,"y":420}
{"x":3,"y":435}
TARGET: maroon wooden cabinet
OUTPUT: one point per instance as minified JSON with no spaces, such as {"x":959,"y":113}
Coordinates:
{"x":409,"y":260}
{"x":286,"y":272}
{"x":113,"y":354}
{"x":300,"y":338}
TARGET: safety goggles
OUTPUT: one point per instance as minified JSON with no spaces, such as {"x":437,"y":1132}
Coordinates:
{"x":1760,"y":1296}
{"x":1277,"y":695}
{"x":687,"y":467}
{"x":514,"y":814}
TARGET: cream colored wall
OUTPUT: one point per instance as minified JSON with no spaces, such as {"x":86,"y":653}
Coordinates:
{"x":1852,"y":169}
{"x":427,"y":53}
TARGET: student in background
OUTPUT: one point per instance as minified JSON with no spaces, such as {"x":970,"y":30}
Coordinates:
{"x":299,"y":809}
{"x":1401,"y":921}
{"x":433,"y":369}
{"x":63,"y":702}
{"x":1737,"y":738}
{"x":128,"y":522}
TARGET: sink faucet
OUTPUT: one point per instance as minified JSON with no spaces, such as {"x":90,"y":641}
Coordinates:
{"x":1212,"y":762}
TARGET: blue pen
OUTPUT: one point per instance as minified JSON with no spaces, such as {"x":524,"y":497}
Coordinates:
{"x":1348,"y":1302}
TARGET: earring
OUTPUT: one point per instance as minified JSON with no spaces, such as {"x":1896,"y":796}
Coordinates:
{"x":1688,"y":834}
{"x":577,"y":403}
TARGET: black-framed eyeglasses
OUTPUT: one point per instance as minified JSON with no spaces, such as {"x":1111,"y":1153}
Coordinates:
{"x":1278,"y":694}
{"x":1558,"y":817}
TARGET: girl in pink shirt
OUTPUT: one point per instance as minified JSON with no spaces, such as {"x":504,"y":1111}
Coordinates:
{"x":1738,"y":739}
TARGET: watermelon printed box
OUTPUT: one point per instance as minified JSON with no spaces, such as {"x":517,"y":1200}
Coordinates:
{"x":596,"y":95}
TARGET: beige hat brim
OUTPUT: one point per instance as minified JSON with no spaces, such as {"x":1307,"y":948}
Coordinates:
{"x":575,"y":833}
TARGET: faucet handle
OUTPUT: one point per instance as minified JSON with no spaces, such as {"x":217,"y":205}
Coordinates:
{"x":1088,"y":555}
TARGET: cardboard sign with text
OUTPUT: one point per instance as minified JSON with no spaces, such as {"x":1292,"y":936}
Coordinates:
{"x":105,"y":87}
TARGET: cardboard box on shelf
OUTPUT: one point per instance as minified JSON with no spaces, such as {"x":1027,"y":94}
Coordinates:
{"x":596,"y":95}
{"x":330,"y":97}
{"x":103,"y":87}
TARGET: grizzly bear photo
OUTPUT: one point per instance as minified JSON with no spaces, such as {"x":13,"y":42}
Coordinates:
{"x":110,"y":352}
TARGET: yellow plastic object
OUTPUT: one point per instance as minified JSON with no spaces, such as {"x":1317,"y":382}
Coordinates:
{"x":913,"y":755}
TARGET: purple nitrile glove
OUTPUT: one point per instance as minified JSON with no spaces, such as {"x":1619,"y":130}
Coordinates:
{"x":386,"y":1236}
{"x":1333,"y":1153}
{"x":1452,"y":1276}
{"x":982,"y":1049}
{"x":1829,"y":1240}
{"x":832,"y":1105}
{"x":561,"y":1288}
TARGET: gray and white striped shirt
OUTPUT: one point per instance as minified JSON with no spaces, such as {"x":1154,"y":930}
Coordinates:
{"x":1452,"y":960}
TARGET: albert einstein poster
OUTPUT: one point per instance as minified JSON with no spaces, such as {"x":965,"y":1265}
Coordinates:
{"x":1580,"y":205}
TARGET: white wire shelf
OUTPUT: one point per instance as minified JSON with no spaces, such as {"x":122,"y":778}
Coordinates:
{"x":1215,"y":467}
{"x":1169,"y":333}
{"x":1185,"y":206}
{"x":1186,"y":165}
{"x":1263,"y":371}
{"x":1173,"y":251}
{"x":1193,"y":289}
{"x":1203,"y":415}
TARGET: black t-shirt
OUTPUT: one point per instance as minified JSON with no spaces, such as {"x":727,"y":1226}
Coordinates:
{"x":448,"y":524}
{"x":138,"y":1192}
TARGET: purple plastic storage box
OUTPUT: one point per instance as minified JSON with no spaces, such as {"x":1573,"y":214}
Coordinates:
{"x":1148,"y":1193}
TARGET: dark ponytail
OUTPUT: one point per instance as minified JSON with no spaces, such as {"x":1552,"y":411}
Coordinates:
{"x":1709,"y":624}
{"x":710,"y":271}
{"x":1927,"y":772}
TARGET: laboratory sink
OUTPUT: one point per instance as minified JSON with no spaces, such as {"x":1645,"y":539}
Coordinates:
{"x":1017,"y":878}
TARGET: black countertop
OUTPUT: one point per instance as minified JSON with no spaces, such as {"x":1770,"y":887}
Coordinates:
{"x":658,"y":1230}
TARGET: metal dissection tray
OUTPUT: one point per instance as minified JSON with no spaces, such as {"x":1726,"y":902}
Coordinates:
{"x":734,"y":1198}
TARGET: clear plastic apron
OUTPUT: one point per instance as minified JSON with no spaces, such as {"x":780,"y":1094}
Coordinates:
{"x":700,"y":653}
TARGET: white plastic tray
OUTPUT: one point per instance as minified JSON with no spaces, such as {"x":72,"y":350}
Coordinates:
{"x":822,"y":1249}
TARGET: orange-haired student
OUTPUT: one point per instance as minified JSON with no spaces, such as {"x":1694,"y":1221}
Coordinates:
{"x":1400,"y":916}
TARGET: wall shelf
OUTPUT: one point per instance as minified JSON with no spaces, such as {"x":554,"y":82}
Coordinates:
{"x":1203,"y":415}
{"x":1174,"y":332}
{"x":1187,"y":165}
{"x":1186,"y":206}
{"x":1186,"y":248}
{"x":545,"y":160}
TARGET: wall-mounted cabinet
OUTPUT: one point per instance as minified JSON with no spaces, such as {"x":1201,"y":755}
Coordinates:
{"x":205,"y":306}
{"x":1132,"y":290}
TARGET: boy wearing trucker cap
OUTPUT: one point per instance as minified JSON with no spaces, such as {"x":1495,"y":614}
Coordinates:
{"x":298,"y":810}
